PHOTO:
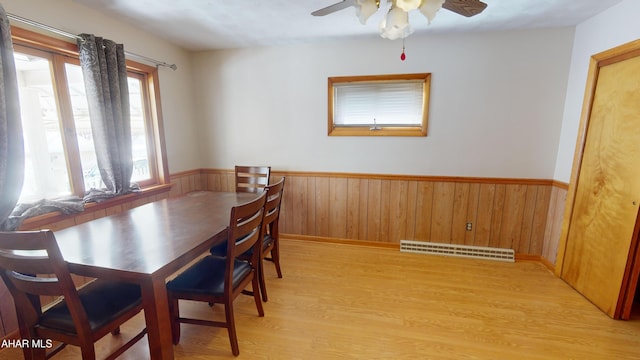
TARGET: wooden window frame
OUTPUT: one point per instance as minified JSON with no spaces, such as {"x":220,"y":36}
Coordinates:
{"x":421,"y":130}
{"x":61,"y":52}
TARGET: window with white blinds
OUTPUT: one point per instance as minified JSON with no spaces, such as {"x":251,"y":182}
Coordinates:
{"x":379,"y":105}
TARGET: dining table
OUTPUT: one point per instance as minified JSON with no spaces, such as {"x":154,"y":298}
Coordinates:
{"x":146,"y":245}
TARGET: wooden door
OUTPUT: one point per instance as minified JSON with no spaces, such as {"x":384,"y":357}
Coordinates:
{"x":600,"y":234}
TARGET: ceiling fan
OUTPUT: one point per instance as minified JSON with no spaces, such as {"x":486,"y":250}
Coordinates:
{"x":466,"y":8}
{"x":396,"y":23}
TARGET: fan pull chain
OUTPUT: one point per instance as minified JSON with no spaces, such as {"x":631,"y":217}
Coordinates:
{"x":403,"y":57}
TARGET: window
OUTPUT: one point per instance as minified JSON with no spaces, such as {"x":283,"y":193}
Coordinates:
{"x":383,"y":105}
{"x":59,"y":152}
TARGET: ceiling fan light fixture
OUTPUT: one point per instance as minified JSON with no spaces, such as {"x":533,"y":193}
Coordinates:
{"x":408,"y":5}
{"x":365,"y":8}
{"x":429,"y":8}
{"x":396,"y":24}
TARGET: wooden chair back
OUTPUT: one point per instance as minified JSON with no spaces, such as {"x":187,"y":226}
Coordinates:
{"x":32,"y":266}
{"x":245,"y":229}
{"x":252,"y":178}
{"x":272,"y":207}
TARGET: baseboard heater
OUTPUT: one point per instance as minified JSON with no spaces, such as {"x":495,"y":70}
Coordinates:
{"x":466,"y":251}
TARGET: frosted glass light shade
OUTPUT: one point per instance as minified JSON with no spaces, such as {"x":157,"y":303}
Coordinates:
{"x":364,"y":9}
{"x":429,"y":8}
{"x":408,"y":5}
{"x":395,"y":25}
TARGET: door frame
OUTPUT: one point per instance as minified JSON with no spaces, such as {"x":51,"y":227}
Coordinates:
{"x":632,"y":269}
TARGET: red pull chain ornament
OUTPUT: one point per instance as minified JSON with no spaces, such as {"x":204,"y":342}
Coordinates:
{"x":403,"y":56}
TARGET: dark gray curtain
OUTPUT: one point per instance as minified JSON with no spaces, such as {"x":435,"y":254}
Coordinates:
{"x":105,"y":77}
{"x":11,"y":142}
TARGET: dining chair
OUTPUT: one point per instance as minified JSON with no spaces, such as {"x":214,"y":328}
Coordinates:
{"x":31,"y":266}
{"x":270,"y":243}
{"x":217,"y":279}
{"x":252,"y":178}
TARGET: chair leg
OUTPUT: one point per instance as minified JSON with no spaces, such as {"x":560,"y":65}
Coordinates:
{"x":275,"y":255}
{"x":86,"y":346}
{"x":88,"y":351}
{"x":174,"y":315}
{"x":256,"y":296}
{"x":263,"y":285}
{"x":231,"y":327}
{"x":33,"y":354}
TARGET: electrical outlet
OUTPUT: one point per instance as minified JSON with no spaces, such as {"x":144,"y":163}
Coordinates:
{"x":469,"y":226}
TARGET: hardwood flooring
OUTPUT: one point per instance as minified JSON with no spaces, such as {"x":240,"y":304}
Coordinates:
{"x":354,"y":302}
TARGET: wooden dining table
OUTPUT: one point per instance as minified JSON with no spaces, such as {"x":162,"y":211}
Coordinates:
{"x":148,"y":244}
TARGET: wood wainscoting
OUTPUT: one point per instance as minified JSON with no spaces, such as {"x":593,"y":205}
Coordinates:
{"x":520,"y":214}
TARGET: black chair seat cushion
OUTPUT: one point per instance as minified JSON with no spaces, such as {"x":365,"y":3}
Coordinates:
{"x":103,"y":301}
{"x":207,"y":276}
{"x":221,"y":249}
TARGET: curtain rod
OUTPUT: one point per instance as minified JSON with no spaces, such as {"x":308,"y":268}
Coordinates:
{"x":72,"y":36}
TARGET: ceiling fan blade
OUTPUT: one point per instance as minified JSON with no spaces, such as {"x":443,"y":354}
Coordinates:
{"x":466,"y":8}
{"x":333,"y":8}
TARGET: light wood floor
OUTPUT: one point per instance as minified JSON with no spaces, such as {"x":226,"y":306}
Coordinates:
{"x":351,"y":302}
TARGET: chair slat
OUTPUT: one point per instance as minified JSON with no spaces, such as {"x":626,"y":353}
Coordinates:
{"x":252,"y":178}
{"x":41,"y":286}
{"x":27,"y":264}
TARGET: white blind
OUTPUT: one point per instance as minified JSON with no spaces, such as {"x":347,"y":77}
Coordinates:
{"x":390,"y":103}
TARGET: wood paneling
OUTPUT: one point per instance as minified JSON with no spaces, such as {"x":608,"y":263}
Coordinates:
{"x":512,"y":213}
{"x":522,"y":214}
{"x":485,"y":214}
{"x":424,"y":205}
{"x":337,"y":207}
{"x":322,"y":208}
{"x":472,"y":213}
{"x":542,"y":217}
{"x":508,"y":213}
{"x":526,"y":227}
{"x":460,"y":213}
{"x":353,"y":208}
{"x":553,"y":224}
{"x":398,"y":209}
{"x":374,"y":209}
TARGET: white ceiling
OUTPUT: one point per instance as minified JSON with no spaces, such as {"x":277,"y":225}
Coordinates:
{"x":217,"y":24}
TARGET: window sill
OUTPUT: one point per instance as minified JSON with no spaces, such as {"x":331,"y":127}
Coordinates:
{"x":383,"y":131}
{"x":40,"y":221}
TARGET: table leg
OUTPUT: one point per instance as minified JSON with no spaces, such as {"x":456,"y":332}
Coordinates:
{"x":156,"y":313}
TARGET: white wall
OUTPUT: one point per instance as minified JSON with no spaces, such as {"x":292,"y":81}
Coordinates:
{"x":500,"y":104}
{"x":613,"y":27}
{"x":175,"y":87}
{"x":496,"y":105}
